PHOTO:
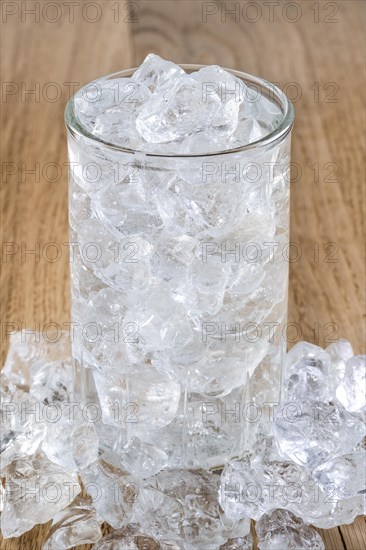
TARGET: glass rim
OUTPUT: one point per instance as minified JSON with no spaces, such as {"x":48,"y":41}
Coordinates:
{"x":266,"y":88}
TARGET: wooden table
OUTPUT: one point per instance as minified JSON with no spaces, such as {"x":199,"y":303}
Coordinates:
{"x":314,"y":50}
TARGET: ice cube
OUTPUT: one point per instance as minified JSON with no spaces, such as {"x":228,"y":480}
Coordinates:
{"x":156,"y":73}
{"x":117,"y":262}
{"x":252,"y":485}
{"x":113,"y":492}
{"x":232,"y":92}
{"x":172,"y":256}
{"x":53,"y":383}
{"x":352,"y":390}
{"x":29,"y":350}
{"x":339,"y":353}
{"x":159,"y":514}
{"x":312,"y":432}
{"x":118,"y":127}
{"x":22,"y":426}
{"x":343,"y":476}
{"x":242,"y":543}
{"x":104,"y":94}
{"x":128,"y":212}
{"x":139,"y":458}
{"x":248,"y":131}
{"x":282,"y":530}
{"x":71,"y":441}
{"x":36,"y":489}
{"x":131,"y":538}
{"x":2,"y":496}
{"x":325,"y":511}
{"x":76,"y":524}
{"x":178,"y":111}
{"x":307,"y":373}
{"x":195,"y":514}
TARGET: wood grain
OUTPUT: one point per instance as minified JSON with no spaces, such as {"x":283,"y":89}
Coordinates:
{"x":321,"y":60}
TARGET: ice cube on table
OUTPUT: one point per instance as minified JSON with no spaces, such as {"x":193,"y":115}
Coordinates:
{"x":339,"y":353}
{"x":196,"y":516}
{"x":352,"y":390}
{"x":307,"y":373}
{"x":77,"y":524}
{"x":113,"y":492}
{"x":240,"y":543}
{"x":72,"y":440}
{"x":281,"y":530}
{"x":312,"y":432}
{"x":20,"y":433}
{"x":344,"y":476}
{"x":159,"y":515}
{"x":54,"y":383}
{"x":36,"y":489}
{"x":29,"y":350}
{"x":250,"y":486}
{"x":133,"y":539}
{"x":326,"y":512}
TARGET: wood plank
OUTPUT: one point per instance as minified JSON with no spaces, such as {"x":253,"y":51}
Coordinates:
{"x":354,"y":535}
{"x":304,"y":52}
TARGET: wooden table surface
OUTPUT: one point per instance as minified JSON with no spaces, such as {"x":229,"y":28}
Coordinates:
{"x":314,"y":50}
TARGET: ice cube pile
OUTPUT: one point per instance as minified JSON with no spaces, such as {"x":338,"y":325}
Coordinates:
{"x":305,"y":468}
{"x":161,"y":109}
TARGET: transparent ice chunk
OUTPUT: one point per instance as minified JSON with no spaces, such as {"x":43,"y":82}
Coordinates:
{"x":127,"y":210}
{"x":113,"y":492}
{"x":307,"y":373}
{"x":352,"y":390}
{"x":344,"y":476}
{"x":282,"y":530}
{"x":36,"y":489}
{"x":242,"y":543}
{"x":339,"y":353}
{"x":111,"y":259}
{"x":195,"y":514}
{"x":102,"y":95}
{"x":156,"y":73}
{"x":178,"y":111}
{"x":71,"y":441}
{"x":139,"y":458}
{"x":312,"y":432}
{"x":77,"y":524}
{"x":141,"y":399}
{"x":21,"y":429}
{"x":29,"y":350}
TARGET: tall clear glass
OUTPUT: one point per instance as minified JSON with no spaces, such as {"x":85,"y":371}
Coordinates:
{"x":179,"y":269}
